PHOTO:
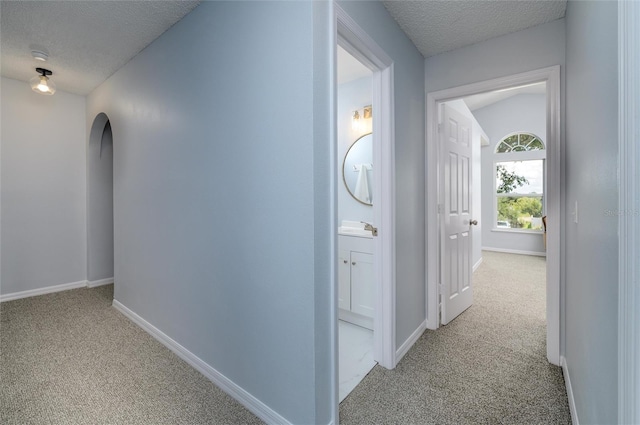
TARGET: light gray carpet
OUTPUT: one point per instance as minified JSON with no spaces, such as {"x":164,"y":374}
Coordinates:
{"x":70,"y":358}
{"x":488,"y":366}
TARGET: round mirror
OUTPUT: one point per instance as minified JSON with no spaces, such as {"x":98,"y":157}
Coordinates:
{"x":357,"y":169}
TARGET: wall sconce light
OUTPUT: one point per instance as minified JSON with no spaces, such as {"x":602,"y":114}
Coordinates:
{"x":42,"y":84}
{"x":358,"y":121}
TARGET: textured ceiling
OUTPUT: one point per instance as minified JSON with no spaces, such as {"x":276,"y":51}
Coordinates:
{"x":87,"y":41}
{"x":437,"y":26}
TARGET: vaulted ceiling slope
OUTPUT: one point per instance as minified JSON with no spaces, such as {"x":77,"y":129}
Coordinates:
{"x":87,"y":41}
{"x":437,"y":26}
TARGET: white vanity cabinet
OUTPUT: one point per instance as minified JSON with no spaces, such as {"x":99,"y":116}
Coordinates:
{"x":355,"y":276}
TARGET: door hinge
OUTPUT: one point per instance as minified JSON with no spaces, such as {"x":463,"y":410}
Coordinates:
{"x":439,"y":127}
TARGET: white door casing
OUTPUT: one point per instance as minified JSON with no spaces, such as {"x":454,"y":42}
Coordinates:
{"x":555,"y":220}
{"x":456,"y":289}
{"x":351,"y":37}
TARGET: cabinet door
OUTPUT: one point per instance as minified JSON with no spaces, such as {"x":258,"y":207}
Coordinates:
{"x":362,"y":290}
{"x":344,"y":280}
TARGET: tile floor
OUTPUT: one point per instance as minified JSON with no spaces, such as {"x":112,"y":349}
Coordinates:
{"x":356,"y":356}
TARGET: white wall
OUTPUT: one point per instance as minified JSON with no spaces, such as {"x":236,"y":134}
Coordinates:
{"x":351,"y":96}
{"x":409,"y":155}
{"x":476,"y":176}
{"x":43,"y":189}
{"x":222,"y":231}
{"x":591,"y":175}
{"x":520,"y":113}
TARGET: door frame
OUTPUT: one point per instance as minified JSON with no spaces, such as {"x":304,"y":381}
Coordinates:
{"x":628,"y":227}
{"x":551,"y":76}
{"x":360,"y":45}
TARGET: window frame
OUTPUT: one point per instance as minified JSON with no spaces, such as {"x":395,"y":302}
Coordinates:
{"x":518,"y":156}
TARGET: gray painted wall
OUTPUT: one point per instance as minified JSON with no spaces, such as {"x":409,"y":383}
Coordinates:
{"x":409,"y":153}
{"x":520,"y":113}
{"x":351,"y":96}
{"x":591,"y":175}
{"x":222,"y":233}
{"x":534,"y":48}
{"x":100,"y":203}
{"x":43,"y":188}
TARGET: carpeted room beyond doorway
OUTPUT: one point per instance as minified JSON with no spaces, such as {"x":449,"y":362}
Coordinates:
{"x":488,"y":366}
{"x":70,"y":358}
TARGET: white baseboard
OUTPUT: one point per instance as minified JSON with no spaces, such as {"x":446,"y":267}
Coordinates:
{"x":567,"y":382}
{"x":42,"y":291}
{"x":94,"y":283}
{"x":254,"y":405}
{"x":476,"y":265}
{"x":404,"y":348}
{"x":515,"y":251}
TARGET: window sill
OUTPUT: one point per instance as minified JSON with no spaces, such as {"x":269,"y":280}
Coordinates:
{"x":521,"y":231}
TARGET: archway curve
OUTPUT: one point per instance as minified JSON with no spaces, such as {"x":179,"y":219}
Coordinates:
{"x":100,"y":239}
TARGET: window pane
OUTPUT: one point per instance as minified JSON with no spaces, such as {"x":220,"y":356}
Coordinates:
{"x":524,"y":212}
{"x":531,"y":171}
{"x":536,"y":145}
{"x":525,"y":139}
{"x":519,"y":186}
{"x":503,"y":147}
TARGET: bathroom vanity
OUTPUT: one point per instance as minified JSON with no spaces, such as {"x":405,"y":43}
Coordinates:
{"x":355,"y":275}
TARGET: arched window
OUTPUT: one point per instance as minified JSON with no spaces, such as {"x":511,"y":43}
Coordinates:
{"x":519,"y":182}
{"x":520,"y":142}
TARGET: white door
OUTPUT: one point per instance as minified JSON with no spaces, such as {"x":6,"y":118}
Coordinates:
{"x":455,"y":243}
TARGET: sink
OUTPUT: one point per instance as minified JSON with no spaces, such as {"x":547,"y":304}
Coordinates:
{"x":354,"y":228}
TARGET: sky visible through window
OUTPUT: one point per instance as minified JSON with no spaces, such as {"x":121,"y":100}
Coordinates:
{"x":532,"y":170}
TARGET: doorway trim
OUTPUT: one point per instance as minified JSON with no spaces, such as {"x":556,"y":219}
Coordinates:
{"x":551,"y":76}
{"x":629,"y":203}
{"x":360,"y":45}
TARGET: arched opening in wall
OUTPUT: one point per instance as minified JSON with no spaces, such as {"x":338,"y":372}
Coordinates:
{"x":100,"y":244}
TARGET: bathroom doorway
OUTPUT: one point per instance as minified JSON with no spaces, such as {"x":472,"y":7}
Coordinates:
{"x":355,"y":208}
{"x":366,"y":232}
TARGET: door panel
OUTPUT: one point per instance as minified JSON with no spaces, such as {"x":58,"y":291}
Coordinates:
{"x":455,"y":141}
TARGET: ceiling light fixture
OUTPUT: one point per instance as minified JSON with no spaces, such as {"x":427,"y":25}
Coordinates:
{"x":42,"y":84}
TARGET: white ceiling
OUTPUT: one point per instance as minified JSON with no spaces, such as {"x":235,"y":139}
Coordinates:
{"x":437,"y":26}
{"x":87,"y":41}
{"x":481,"y":100}
{"x":350,"y":68}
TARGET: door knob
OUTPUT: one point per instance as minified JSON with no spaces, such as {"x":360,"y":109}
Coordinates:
{"x":474,"y":222}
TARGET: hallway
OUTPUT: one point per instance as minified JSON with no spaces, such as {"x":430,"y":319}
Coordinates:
{"x":487,"y":366}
